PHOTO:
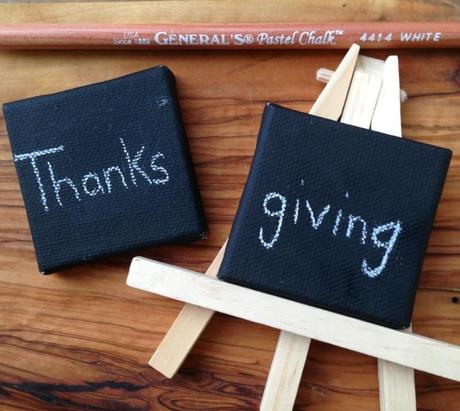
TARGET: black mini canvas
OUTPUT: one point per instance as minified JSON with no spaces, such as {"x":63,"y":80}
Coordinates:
{"x":336,"y":216}
{"x":105,"y":168}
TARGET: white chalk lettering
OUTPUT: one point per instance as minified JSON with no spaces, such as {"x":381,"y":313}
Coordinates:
{"x":351,"y":224}
{"x":133,"y":165}
{"x":296,"y":212}
{"x":108,"y":180}
{"x":57,"y":183}
{"x":319,"y":219}
{"x":337,"y":222}
{"x":93,"y":183}
{"x":278,"y":213}
{"x":95,"y":178}
{"x":33,"y":161}
{"x":316,"y":222}
{"x":159,"y":169}
{"x":387,"y":245}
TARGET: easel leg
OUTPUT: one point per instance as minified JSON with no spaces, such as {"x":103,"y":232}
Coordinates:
{"x":185,"y":331}
{"x":396,"y":386}
{"x":285,"y":372}
{"x":180,"y":339}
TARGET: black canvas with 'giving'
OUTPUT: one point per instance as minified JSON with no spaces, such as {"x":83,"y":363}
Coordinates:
{"x":336,"y":216}
{"x":105,"y":168}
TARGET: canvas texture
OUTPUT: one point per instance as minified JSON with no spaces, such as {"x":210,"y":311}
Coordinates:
{"x":336,"y":216}
{"x":105,"y":168}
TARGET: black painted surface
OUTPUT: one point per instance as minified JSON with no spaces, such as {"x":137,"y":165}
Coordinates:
{"x":105,"y":168}
{"x":336,"y":216}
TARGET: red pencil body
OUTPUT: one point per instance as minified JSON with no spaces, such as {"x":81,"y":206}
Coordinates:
{"x":234,"y":36}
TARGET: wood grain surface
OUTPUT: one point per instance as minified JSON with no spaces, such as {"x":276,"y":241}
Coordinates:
{"x":81,"y":339}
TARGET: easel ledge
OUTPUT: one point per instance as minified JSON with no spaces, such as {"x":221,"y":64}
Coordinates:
{"x":411,"y":350}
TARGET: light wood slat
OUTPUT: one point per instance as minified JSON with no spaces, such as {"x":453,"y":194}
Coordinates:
{"x":330,"y":102}
{"x":387,"y":113}
{"x":285,"y":372}
{"x":396,"y":382}
{"x":363,"y":93}
{"x":323,"y":75}
{"x":396,"y":387}
{"x":422,"y":353}
{"x":185,"y":331}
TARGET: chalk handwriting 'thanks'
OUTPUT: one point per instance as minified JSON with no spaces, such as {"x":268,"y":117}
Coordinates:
{"x":95,"y":183}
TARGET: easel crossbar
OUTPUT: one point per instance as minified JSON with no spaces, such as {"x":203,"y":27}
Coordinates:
{"x":411,"y":350}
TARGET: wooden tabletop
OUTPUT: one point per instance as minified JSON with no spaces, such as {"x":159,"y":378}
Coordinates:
{"x":81,"y":339}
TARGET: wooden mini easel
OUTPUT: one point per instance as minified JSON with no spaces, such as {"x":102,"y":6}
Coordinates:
{"x":363,"y":92}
